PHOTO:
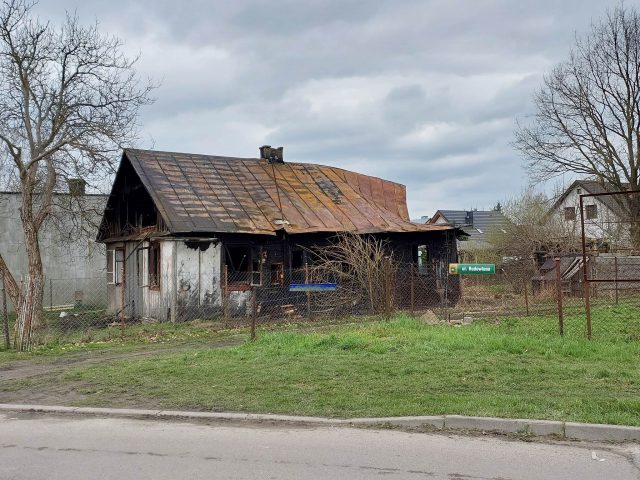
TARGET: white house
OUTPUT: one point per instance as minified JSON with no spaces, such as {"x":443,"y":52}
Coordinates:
{"x":605,"y":219}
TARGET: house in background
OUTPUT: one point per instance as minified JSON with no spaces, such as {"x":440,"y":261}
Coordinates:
{"x":73,"y":262}
{"x":181,"y":229}
{"x":478,"y":227}
{"x":606,"y":221}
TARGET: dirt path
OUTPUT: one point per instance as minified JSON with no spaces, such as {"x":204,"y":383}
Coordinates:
{"x":23,"y":369}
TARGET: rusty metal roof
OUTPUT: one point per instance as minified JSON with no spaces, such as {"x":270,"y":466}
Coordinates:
{"x":204,"y":193}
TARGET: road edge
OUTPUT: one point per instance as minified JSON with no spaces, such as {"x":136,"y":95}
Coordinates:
{"x":503,"y":426}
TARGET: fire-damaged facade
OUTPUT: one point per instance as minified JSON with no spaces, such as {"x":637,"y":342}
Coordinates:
{"x":186,"y":233}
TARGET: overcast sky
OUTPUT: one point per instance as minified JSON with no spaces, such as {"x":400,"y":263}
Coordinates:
{"x":425,"y":93}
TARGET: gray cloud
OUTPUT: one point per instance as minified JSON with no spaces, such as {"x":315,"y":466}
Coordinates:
{"x":422,"y":92}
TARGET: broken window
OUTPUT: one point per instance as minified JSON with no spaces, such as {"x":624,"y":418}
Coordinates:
{"x":154,"y":263}
{"x":238,"y":261}
{"x":592,"y":212}
{"x":277,"y":274}
{"x":570,"y":213}
{"x":297,"y":259}
{"x":115,"y":266}
{"x":422,"y":257}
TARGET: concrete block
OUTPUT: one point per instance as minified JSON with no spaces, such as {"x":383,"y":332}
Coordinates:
{"x":597,"y":432}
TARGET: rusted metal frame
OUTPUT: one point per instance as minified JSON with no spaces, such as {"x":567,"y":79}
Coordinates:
{"x":585,"y":274}
{"x":607,"y":194}
{"x":559,"y":295}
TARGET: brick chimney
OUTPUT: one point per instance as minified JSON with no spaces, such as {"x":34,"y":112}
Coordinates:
{"x":272,"y":154}
{"x":77,"y":186}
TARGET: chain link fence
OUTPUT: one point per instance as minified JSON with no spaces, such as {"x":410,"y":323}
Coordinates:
{"x":547,"y":300}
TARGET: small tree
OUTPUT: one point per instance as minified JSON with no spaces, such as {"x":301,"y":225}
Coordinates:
{"x":363,"y":267}
{"x":532,"y":232}
{"x":587,"y":119}
{"x":69,"y":101}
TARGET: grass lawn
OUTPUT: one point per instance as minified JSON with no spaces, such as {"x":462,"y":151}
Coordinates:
{"x":132,"y":337}
{"x":511,"y":368}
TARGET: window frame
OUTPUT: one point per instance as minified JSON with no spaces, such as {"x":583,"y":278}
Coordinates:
{"x":591,"y":211}
{"x":569,"y":217}
{"x":276,"y":274}
{"x":154,"y":262}
{"x":115,"y":265}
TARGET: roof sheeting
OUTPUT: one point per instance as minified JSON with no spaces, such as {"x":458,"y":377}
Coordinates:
{"x":204,"y":193}
{"x":477,"y":225}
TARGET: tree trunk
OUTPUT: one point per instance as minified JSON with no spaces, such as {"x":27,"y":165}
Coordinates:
{"x":634,"y":219}
{"x":29,"y":311}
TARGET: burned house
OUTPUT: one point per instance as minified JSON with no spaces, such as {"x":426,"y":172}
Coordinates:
{"x":185,"y":233}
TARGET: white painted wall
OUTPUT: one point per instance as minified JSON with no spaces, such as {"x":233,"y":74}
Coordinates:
{"x":606,"y":226}
{"x":198,"y":275}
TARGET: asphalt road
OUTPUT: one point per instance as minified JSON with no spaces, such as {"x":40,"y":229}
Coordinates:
{"x":41,"y":447}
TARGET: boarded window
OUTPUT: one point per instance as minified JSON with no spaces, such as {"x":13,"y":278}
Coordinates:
{"x":570,"y":213}
{"x":592,"y":212}
{"x":154,"y":265}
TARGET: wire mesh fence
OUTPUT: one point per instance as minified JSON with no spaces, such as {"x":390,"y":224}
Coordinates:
{"x":548,"y":300}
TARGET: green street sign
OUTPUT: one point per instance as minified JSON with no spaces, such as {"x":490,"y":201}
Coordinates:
{"x":472,"y":269}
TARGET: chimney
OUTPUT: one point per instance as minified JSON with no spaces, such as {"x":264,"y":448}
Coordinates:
{"x":468,"y":219}
{"x":77,"y":186}
{"x":272,"y":154}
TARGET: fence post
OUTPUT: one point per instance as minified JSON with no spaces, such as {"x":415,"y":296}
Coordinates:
{"x":254,"y":312}
{"x":559,"y":294}
{"x":587,"y":302}
{"x":526,"y":296}
{"x":306,"y":281}
{"x":51,"y":294}
{"x":5,"y":317}
{"x":615,"y":265}
{"x":225,"y":293}
{"x":413,"y":290}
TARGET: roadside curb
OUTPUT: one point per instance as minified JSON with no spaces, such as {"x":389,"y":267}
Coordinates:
{"x":503,"y":426}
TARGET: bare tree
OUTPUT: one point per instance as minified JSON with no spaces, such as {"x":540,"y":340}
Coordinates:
{"x":364,"y":268}
{"x":587,"y":118}
{"x":69,"y":100}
